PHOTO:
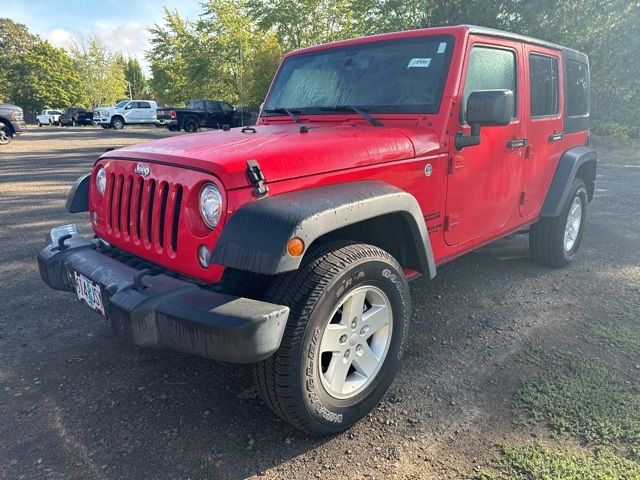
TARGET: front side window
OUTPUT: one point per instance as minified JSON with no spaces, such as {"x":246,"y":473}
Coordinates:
{"x":577,"y":89}
{"x":226,"y":107}
{"x":490,"y":69}
{"x":543,"y":85}
{"x":402,"y":76}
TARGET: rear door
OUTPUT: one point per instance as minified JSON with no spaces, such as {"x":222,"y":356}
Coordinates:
{"x":484,"y":182}
{"x":214,"y":113}
{"x":146,"y":113}
{"x":543,"y":114}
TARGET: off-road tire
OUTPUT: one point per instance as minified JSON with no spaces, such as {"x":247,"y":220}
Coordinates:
{"x":546,"y":237}
{"x":289,"y":381}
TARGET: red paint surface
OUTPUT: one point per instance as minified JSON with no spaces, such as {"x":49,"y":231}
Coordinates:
{"x":480,"y":187}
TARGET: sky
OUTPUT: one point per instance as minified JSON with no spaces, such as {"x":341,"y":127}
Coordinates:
{"x":120,"y":24}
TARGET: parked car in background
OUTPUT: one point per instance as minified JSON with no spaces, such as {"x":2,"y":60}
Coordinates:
{"x":48,"y":117}
{"x":74,"y":116}
{"x":200,"y":113}
{"x":11,"y":122}
{"x":126,"y":112}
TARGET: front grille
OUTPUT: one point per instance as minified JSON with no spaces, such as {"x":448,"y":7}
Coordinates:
{"x":144,"y":211}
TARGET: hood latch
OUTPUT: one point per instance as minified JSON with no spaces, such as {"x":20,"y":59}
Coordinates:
{"x":256,"y":177}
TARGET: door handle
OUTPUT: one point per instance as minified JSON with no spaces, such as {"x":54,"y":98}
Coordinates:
{"x":554,"y":137}
{"x":517,"y":143}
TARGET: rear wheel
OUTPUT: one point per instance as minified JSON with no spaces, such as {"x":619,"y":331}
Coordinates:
{"x":554,"y":241}
{"x":348,"y":327}
{"x":74,"y":123}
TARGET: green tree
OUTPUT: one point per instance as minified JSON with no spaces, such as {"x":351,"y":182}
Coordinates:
{"x":301,"y":23}
{"x":136,"y":80}
{"x":15,"y":41}
{"x":45,"y":77}
{"x":100,"y":72}
{"x":168,"y":56}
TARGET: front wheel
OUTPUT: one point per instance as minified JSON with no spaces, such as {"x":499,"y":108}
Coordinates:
{"x":117,"y":123}
{"x":39,"y":123}
{"x":342,"y":346}
{"x":4,"y":136}
{"x":554,"y":241}
{"x":191,"y":125}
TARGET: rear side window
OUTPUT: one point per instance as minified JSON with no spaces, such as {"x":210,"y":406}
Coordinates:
{"x":577,"y":89}
{"x":489,"y":69}
{"x":144,"y":105}
{"x":544,"y":85}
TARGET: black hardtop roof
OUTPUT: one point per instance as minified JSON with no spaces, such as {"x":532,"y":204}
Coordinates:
{"x":492,"y":32}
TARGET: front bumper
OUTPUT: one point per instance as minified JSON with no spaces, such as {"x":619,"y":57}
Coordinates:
{"x":18,"y":126}
{"x":164,"y":311}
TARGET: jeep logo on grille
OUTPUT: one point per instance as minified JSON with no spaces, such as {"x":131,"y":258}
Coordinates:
{"x":143,"y":170}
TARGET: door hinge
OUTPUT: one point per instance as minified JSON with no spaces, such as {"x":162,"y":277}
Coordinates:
{"x":451,"y":221}
{"x":455,"y":163}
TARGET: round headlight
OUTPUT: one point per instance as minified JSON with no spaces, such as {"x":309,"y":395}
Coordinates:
{"x":210,"y":205}
{"x":101,"y":181}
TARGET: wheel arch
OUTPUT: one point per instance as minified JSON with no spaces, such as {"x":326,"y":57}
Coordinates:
{"x":7,"y":125}
{"x":255,"y":238}
{"x":580,"y":162}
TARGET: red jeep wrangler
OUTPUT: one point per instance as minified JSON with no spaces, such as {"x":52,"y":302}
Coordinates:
{"x":289,"y":244}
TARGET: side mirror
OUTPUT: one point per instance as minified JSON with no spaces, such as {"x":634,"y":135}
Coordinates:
{"x":485,"y":108}
{"x":128,"y":107}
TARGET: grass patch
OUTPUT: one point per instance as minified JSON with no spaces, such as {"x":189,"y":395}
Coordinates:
{"x":585,"y":398}
{"x":540,"y":463}
{"x":621,"y":336}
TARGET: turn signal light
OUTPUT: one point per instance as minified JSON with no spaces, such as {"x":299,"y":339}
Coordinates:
{"x":295,"y":247}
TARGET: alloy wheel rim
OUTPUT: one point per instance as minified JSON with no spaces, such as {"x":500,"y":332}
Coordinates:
{"x":574,"y":221}
{"x":355,"y":342}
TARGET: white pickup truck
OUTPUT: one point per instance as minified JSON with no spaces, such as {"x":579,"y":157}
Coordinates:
{"x":126,"y":112}
{"x":48,"y":117}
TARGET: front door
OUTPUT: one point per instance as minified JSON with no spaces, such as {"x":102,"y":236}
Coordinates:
{"x":484,"y":182}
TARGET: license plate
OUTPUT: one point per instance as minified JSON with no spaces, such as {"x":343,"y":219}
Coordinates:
{"x":89,"y":292}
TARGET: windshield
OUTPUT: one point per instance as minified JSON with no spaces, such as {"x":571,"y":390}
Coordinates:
{"x":122,"y":103}
{"x":405,"y":76}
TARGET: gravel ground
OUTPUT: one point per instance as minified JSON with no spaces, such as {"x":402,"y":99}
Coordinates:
{"x":78,"y":403}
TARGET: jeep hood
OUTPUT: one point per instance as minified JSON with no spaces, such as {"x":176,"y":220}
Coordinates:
{"x":283,"y":152}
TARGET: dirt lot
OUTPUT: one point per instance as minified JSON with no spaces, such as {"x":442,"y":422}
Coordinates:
{"x":77,"y":402}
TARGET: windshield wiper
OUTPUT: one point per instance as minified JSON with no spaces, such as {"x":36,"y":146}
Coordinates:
{"x":285,"y":110}
{"x":365,"y":115}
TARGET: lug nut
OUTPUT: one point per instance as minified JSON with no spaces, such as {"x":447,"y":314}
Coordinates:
{"x":347,"y":353}
{"x":359,"y":349}
{"x":364,"y":330}
{"x":354,"y":322}
{"x":343,"y":339}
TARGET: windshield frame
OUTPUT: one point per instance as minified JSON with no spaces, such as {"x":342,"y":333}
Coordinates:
{"x":403,"y":110}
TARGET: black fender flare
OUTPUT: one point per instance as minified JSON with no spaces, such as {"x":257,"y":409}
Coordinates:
{"x":255,"y":237}
{"x":78,"y":197}
{"x":570,"y":163}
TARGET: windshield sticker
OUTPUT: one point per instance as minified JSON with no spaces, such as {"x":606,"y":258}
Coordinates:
{"x":442,"y":47}
{"x":419,"y":63}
